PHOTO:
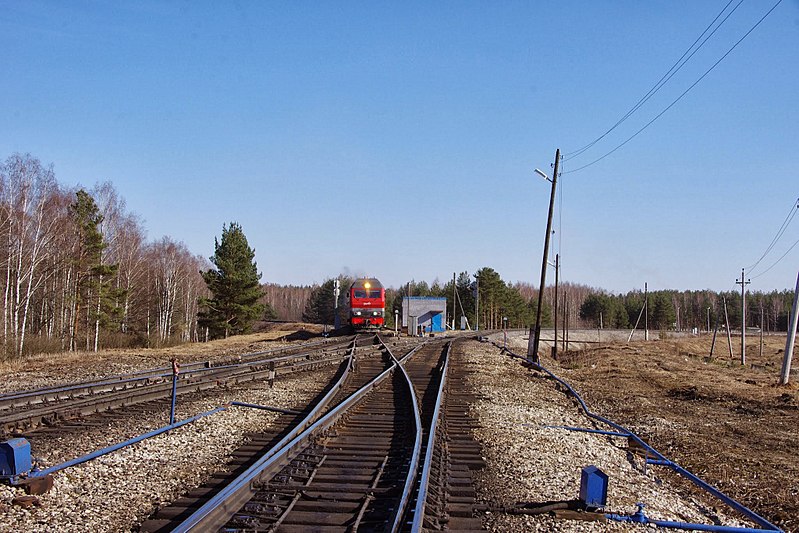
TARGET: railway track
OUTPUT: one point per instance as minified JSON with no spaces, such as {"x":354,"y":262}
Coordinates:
{"x":24,"y":412}
{"x":367,"y":456}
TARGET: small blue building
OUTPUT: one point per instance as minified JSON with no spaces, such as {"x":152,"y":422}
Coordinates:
{"x":428,"y":312}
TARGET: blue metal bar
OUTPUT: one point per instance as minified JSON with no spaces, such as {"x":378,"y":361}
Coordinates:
{"x":658,"y":456}
{"x":589,"y":430}
{"x":115,"y":447}
{"x":266,"y":408}
{"x":640,"y":518}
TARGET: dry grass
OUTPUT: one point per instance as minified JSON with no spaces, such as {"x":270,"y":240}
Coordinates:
{"x":737,"y":428}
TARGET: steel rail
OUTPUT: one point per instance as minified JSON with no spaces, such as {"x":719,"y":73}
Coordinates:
{"x":90,"y":404}
{"x":218,"y":510}
{"x":162,"y":372}
{"x":410,"y":479}
{"x":424,"y":480}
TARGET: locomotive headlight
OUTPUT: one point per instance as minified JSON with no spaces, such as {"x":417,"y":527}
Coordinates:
{"x":367,"y":284}
{"x":357,"y":313}
{"x":375,"y":313}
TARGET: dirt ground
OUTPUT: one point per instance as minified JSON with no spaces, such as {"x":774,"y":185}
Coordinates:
{"x":731,"y":425}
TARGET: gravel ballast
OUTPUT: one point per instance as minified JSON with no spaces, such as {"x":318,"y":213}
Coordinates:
{"x":116,"y":492}
{"x":528,"y":462}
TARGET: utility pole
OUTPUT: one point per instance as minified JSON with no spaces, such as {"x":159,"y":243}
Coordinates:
{"x":789,"y":342}
{"x":761,"y":329}
{"x":555,"y":343}
{"x":336,"y":292}
{"x":454,"y":292}
{"x":532,"y":349}
{"x":565,"y":324}
{"x":646,"y":311}
{"x":727,"y":325}
{"x":476,"y":302}
{"x":743,"y":283}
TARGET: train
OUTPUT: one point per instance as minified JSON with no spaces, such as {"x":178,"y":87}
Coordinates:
{"x":367,"y":299}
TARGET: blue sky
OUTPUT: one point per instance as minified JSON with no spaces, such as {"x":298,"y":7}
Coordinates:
{"x":399,"y":139}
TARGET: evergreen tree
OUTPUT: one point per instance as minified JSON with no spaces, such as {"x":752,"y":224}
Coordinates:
{"x":93,"y":280}
{"x":235,"y":289}
{"x":320,"y":306}
{"x":662,"y":315}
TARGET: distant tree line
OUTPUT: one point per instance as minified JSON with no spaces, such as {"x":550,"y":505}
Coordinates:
{"x":685,"y":310}
{"x":581,"y":306}
{"x":77,"y":273}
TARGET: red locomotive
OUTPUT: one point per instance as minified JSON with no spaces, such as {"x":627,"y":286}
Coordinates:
{"x":367,"y":303}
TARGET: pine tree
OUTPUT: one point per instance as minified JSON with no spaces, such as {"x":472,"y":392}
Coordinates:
{"x":320,"y":306}
{"x":234,"y":286}
{"x":93,"y":285}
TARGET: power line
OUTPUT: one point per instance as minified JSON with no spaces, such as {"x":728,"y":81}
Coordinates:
{"x":778,"y":260}
{"x":663,"y":80}
{"x":780,"y":232}
{"x":634,"y":135}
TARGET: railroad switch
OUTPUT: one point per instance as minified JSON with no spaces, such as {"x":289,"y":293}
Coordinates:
{"x":16,"y":466}
{"x":15,"y":460}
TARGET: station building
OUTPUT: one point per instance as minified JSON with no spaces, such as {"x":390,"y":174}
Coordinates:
{"x":426,"y":312}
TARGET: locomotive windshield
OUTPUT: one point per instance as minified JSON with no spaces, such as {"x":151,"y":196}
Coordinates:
{"x":362,"y":293}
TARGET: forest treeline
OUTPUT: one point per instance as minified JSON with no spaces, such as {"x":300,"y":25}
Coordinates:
{"x":77,"y":272}
{"x":579,"y":306}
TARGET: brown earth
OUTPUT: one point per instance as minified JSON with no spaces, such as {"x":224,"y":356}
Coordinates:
{"x":731,"y":425}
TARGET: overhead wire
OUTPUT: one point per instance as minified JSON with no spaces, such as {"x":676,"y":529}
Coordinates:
{"x":664,"y":79}
{"x":778,"y":260}
{"x":634,"y":135}
{"x":779,"y":234}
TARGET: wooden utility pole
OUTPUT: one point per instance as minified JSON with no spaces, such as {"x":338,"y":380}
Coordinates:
{"x":790,"y":341}
{"x":743,"y":283}
{"x":555,"y":344}
{"x":646,"y":311}
{"x":454,"y":293}
{"x":476,"y":302}
{"x":727,"y":325}
{"x":565,"y":324}
{"x":532,"y":348}
{"x":713,"y":342}
{"x":761,"y":330}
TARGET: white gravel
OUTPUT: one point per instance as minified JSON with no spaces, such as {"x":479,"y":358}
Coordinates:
{"x":531,"y":463}
{"x":118,"y":491}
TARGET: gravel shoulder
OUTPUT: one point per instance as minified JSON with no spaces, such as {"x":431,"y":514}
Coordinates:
{"x":118,"y":491}
{"x":528,"y":462}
